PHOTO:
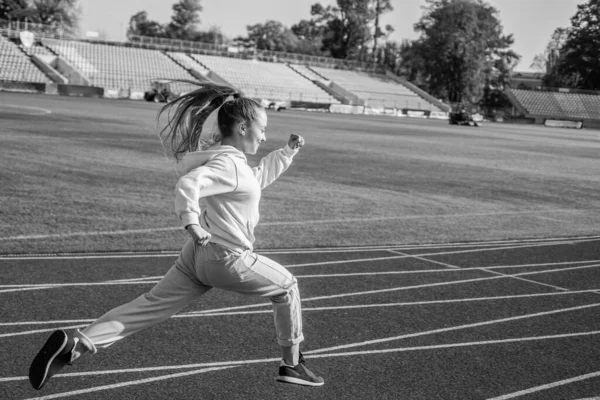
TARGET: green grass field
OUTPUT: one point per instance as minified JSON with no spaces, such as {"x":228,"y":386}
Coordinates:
{"x":91,"y":176}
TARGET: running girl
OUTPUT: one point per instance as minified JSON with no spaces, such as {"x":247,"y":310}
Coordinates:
{"x":217,"y":200}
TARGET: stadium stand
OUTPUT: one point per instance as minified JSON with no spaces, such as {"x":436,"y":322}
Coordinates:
{"x":553,"y":104}
{"x":119,"y":67}
{"x":378,"y":91}
{"x":122,"y":68}
{"x":259,"y":79}
{"x":16,"y":65}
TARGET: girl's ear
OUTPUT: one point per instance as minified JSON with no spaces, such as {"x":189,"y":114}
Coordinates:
{"x":242,"y":128}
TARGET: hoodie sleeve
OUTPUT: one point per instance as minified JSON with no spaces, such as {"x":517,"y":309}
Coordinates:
{"x":273,"y":165}
{"x":216,"y":177}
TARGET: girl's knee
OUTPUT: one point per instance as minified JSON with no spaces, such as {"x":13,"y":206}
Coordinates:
{"x":289,"y":293}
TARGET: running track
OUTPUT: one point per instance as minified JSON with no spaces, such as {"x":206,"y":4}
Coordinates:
{"x":486,"y":320}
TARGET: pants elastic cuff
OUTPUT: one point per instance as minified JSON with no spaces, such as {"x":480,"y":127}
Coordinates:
{"x":86,"y":341}
{"x":290,"y":342}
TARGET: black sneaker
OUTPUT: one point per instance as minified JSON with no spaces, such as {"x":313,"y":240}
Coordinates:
{"x":55,"y":354}
{"x":299,"y":375}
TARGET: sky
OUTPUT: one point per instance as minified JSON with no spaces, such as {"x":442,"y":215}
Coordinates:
{"x":531,"y":22}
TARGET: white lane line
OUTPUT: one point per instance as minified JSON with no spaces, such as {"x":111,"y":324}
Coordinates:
{"x":130,"y":383}
{"x":199,"y":314}
{"x":428,"y":254}
{"x":526,"y":280}
{"x":145,"y":278}
{"x":442,"y":245}
{"x":451,"y":328}
{"x":24,"y":288}
{"x":486,"y":270}
{"x":547,"y":386}
{"x":311,"y":356}
{"x":3,"y":335}
{"x":85,"y":256}
{"x":286,"y":223}
{"x":74,"y":284}
{"x":417,"y":257}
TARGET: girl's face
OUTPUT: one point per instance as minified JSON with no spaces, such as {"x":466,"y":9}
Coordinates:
{"x":254,"y":133}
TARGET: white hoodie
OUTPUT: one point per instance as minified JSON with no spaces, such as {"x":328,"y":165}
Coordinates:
{"x":221,"y":192}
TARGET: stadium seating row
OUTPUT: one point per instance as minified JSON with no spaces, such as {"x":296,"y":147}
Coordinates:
{"x":274,"y":81}
{"x":16,"y":65}
{"x":378,"y":91}
{"x":559,"y":104}
{"x":118,"y":67}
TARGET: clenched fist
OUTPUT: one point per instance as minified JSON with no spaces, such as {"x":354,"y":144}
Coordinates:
{"x":296,"y":141}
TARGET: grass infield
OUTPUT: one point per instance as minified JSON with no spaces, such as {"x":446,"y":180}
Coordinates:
{"x":91,"y":176}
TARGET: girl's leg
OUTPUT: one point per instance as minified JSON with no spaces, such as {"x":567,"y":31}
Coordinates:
{"x":256,"y":275}
{"x":174,"y":291}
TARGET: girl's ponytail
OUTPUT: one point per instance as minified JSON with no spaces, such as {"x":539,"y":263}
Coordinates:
{"x":187,"y":115}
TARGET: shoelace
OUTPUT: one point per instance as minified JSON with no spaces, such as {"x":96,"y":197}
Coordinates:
{"x":300,"y":358}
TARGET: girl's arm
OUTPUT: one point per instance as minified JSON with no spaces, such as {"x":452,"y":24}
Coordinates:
{"x":276,"y":162}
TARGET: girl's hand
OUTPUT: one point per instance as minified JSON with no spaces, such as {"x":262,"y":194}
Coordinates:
{"x":199,"y":235}
{"x":295,"y":142}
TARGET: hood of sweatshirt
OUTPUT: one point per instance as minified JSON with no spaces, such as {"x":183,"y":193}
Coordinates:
{"x":197,"y":159}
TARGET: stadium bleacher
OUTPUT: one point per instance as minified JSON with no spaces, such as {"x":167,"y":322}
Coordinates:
{"x":16,"y":65}
{"x":273,"y":81}
{"x":378,"y":91}
{"x":558,"y":104}
{"x":119,"y":67}
{"x":112,"y":66}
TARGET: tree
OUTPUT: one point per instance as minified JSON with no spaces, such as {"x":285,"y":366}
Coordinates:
{"x":578,"y":62}
{"x":463,"y":48}
{"x":14,"y":9}
{"x":411,"y":63}
{"x":185,"y":20}
{"x":140,"y":25}
{"x":548,"y":61}
{"x":212,"y":35}
{"x":345,"y":26}
{"x":310,"y":37}
{"x":381,"y":7}
{"x":272,"y":35}
{"x":62,"y":14}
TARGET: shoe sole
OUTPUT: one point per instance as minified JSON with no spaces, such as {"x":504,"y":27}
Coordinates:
{"x":42,"y":363}
{"x":298,"y":381}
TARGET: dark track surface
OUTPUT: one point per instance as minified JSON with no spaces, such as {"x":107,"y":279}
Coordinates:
{"x":420,"y":322}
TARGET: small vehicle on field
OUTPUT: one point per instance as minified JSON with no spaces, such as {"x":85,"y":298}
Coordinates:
{"x":460,"y":116}
{"x":160,"y":92}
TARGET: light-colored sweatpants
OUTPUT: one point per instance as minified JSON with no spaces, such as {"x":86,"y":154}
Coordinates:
{"x":197,"y":270}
